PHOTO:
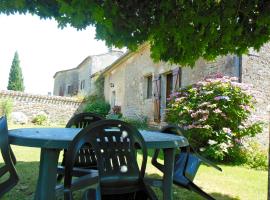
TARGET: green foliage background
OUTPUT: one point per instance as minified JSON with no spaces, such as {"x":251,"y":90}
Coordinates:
{"x":178,"y":31}
{"x":6,"y":107}
{"x":15,"y":81}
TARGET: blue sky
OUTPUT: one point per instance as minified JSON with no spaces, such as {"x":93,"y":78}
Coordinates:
{"x":43,"y":49}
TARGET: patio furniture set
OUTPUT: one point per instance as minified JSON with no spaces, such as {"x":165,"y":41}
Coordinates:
{"x":100,"y":157}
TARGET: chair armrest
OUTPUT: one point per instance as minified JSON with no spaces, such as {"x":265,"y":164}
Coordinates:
{"x":86,"y":181}
{"x":208,"y":162}
{"x":78,"y":172}
{"x":13,"y":158}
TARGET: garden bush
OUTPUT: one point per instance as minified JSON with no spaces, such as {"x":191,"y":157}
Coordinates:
{"x":215,"y":114}
{"x":40,"y":119}
{"x":6,"y":107}
{"x":250,"y":154}
{"x":97,"y":105}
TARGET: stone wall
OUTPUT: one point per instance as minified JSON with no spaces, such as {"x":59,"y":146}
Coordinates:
{"x":58,"y":109}
{"x":227,"y":65}
{"x":255,"y":71}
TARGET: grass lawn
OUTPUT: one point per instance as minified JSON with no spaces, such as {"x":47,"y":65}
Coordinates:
{"x":232,"y":184}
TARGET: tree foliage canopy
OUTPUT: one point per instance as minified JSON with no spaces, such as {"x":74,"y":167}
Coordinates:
{"x":179,"y":31}
{"x":15,"y":81}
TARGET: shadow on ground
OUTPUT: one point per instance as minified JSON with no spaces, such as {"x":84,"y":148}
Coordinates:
{"x":184,"y":194}
{"x":28,"y":174}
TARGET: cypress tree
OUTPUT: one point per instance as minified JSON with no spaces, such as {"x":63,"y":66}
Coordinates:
{"x":15,"y":81}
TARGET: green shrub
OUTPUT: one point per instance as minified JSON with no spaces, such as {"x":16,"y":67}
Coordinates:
{"x":251,"y":154}
{"x":97,"y":105}
{"x":6,"y":107}
{"x":256,"y":157}
{"x":140,"y":123}
{"x":215,"y":115}
{"x":40,"y":119}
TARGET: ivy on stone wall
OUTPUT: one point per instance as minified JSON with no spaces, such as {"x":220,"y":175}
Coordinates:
{"x":96,"y":101}
{"x":99,"y":86}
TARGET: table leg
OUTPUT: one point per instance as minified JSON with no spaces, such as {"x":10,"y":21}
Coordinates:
{"x":168,"y":173}
{"x":47,"y":174}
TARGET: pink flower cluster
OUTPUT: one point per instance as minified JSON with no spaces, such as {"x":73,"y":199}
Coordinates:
{"x":217,"y":111}
{"x":204,"y":104}
{"x":228,"y":131}
{"x":199,"y":112}
{"x":217,"y":98}
{"x":196,"y":126}
{"x":246,"y":108}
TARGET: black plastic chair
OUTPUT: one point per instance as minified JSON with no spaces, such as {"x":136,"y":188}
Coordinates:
{"x":115,"y":144}
{"x":86,"y":157}
{"x":186,"y":164}
{"x":9,"y":160}
{"x":77,"y":178}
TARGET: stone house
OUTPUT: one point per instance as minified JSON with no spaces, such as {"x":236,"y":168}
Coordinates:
{"x":75,"y":81}
{"x":141,"y":87}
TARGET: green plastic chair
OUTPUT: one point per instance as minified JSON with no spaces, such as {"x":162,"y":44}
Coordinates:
{"x":187,"y":163}
{"x":85,"y":157}
{"x":9,"y":160}
{"x":77,"y":178}
{"x":115,"y":144}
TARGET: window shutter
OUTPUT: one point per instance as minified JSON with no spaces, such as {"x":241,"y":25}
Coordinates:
{"x":157,"y":97}
{"x":176,"y":78}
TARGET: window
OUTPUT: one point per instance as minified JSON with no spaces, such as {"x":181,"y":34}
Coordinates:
{"x":169,"y":84}
{"x":69,"y":89}
{"x":82,"y":84}
{"x":149,"y":87}
{"x":113,"y":99}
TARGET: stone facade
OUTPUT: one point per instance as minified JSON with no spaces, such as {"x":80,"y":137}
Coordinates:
{"x":255,"y":71}
{"x":77,"y":80}
{"x":58,"y":109}
{"x":126,"y":80}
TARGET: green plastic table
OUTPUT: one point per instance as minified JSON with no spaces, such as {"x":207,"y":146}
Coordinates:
{"x":52,"y":140}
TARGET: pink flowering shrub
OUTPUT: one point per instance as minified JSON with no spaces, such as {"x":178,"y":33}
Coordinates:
{"x":214,"y":114}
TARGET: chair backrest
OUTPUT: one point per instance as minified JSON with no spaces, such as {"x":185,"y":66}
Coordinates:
{"x":114,"y":143}
{"x":8,"y":167}
{"x":86,"y":157}
{"x":83,"y":119}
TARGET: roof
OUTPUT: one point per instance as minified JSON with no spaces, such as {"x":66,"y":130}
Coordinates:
{"x":85,"y":60}
{"x":120,"y":60}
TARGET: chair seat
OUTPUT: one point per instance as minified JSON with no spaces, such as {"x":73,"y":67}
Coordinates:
{"x":186,"y":164}
{"x":186,"y":171}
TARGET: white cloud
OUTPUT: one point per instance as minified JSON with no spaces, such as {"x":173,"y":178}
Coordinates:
{"x":43,"y":49}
